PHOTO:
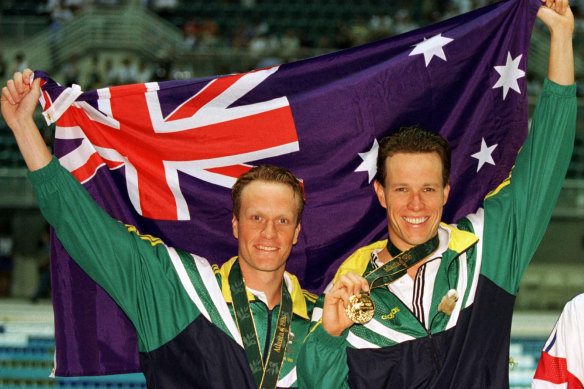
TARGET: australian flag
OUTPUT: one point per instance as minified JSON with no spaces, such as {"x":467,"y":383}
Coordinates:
{"x":163,"y":156}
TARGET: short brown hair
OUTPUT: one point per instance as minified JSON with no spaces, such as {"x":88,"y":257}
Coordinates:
{"x":413,"y":139}
{"x":268,"y":173}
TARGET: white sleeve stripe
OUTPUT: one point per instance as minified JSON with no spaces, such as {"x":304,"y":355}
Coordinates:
{"x":387,"y":332}
{"x":478,"y":222}
{"x":461,"y":290}
{"x":208,"y":276}
{"x":186,"y":281}
{"x":358,"y":342}
{"x":288,"y":380}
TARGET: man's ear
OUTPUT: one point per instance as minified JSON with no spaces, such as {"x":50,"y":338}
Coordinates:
{"x":234,"y":225}
{"x":446,"y":193}
{"x":296,"y":233}
{"x":380,"y":191}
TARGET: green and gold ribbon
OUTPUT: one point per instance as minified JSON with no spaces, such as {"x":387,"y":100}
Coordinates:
{"x":361,"y":307}
{"x":401,"y":262}
{"x":265,"y":376}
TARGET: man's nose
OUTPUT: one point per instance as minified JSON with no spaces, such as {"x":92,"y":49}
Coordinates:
{"x":269,"y":230}
{"x":415,"y":202}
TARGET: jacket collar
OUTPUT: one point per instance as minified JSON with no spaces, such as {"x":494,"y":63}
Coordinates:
{"x":459,"y":242}
{"x":298,"y":301}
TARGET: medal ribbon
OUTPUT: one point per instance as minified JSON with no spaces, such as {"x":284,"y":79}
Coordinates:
{"x":398,"y":266}
{"x":265,"y":376}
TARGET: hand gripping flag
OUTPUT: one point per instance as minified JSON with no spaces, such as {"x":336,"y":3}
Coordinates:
{"x":163,"y":156}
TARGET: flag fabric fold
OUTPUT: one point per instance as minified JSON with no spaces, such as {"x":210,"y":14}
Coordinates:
{"x":163,"y":156}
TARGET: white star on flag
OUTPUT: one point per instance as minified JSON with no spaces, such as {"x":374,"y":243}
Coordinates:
{"x":432,"y":47}
{"x":369,"y":163}
{"x":509,"y":74}
{"x":484,"y":155}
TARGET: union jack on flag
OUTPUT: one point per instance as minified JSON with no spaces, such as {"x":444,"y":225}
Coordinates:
{"x":163,"y":156}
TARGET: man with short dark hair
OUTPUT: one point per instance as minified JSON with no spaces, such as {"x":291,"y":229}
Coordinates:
{"x":198,"y":326}
{"x":431,"y":306}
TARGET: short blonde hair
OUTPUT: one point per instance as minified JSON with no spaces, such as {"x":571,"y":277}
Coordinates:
{"x":268,"y":173}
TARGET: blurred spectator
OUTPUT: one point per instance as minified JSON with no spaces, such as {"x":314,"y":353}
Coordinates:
{"x":381,"y":24}
{"x":6,"y":263}
{"x":94,"y":78}
{"x":263,"y":44}
{"x":143,"y":72}
{"x":162,"y":70}
{"x":127,"y":73}
{"x":403,"y":20}
{"x":59,"y":13}
{"x":71,"y":71}
{"x":111,"y":73}
{"x":209,"y":35}
{"x":190,"y":33}
{"x":240,"y":37}
{"x":359,"y":32}
{"x":165,"y":8}
{"x":289,"y":44}
{"x":19,"y":63}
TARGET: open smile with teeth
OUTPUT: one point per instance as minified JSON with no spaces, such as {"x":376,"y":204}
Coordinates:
{"x":266,"y":248}
{"x":415,"y":220}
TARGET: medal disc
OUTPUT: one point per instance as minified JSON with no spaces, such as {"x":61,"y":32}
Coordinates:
{"x":360,"y":309}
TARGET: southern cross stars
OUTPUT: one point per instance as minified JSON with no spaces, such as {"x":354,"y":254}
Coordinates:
{"x":369,"y":163}
{"x":509,"y":74}
{"x":432,"y":47}
{"x":484,"y":155}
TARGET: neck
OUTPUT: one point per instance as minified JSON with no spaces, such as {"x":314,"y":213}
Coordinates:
{"x":385,"y":255}
{"x":270,"y":283}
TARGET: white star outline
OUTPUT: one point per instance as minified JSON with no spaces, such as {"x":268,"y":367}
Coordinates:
{"x":432,"y":47}
{"x":509,"y":74}
{"x":369,"y":163}
{"x":485,"y":154}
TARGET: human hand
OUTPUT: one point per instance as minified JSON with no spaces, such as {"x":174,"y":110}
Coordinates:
{"x":19,"y":99}
{"x":557,"y":15}
{"x":334,"y":317}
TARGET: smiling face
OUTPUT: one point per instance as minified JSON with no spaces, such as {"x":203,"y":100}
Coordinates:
{"x":413,"y":195}
{"x":266,"y":227}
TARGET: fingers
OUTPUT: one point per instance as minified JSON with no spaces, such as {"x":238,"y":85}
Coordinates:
{"x":560,"y":6}
{"x":337,"y":296}
{"x":352,"y":283}
{"x":26,"y":76}
{"x":36,"y":87}
{"x":6,"y":96}
{"x":346,"y":286}
{"x":19,"y":86}
{"x":12,"y":92}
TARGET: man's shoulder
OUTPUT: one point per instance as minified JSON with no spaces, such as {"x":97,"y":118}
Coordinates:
{"x":303,"y":301}
{"x":358,"y":261}
{"x":465,"y":232}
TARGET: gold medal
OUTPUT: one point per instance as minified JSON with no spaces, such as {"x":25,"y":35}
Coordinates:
{"x":361,"y":308}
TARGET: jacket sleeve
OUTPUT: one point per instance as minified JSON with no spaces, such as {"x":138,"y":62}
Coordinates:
{"x":518,"y":211}
{"x":134,"y":269}
{"x":322,"y":362}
